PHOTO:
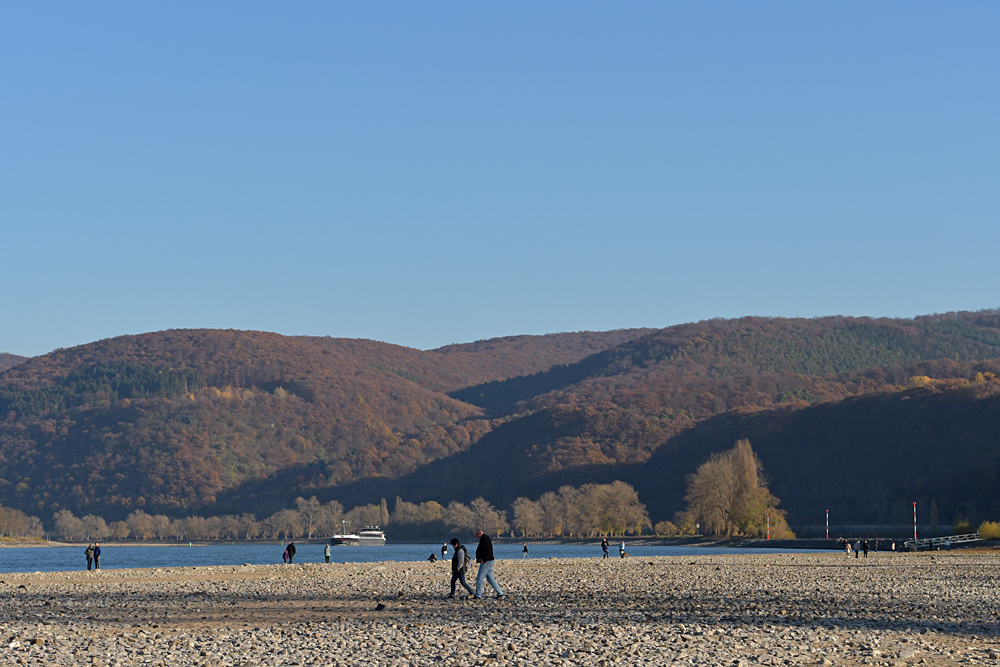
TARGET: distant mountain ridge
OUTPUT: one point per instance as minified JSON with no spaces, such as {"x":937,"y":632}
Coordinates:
{"x":213,"y":421}
{"x":8,"y":360}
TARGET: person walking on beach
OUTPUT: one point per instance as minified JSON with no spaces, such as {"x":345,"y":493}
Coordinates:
{"x":291,"y":551}
{"x":857,"y":549}
{"x":484,"y":556}
{"x":326,"y":553}
{"x":621,"y":549}
{"x":444,"y":551}
{"x":284,"y":556}
{"x":847,"y":548}
{"x":604,"y":546}
{"x":524,"y":551}
{"x":89,"y":553}
{"x":865,"y":547}
{"x":97,"y":556}
{"x":459,"y":566}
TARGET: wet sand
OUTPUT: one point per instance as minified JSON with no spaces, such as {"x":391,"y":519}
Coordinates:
{"x":938,"y":609}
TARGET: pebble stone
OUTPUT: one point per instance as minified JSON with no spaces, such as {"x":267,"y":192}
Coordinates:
{"x":759,"y":609}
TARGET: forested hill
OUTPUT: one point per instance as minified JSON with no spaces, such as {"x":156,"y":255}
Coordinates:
{"x":219,"y":421}
{"x":165,"y":421}
{"x":8,"y":360}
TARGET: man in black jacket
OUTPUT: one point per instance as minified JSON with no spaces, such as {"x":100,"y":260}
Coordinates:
{"x":458,"y":566}
{"x":484,"y":556}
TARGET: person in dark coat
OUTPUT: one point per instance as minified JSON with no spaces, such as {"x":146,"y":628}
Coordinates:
{"x":97,"y":556}
{"x":484,"y":556}
{"x":89,"y":553}
{"x":291,"y":552}
{"x":458,"y":567}
{"x":865,"y":548}
{"x":604,"y":546}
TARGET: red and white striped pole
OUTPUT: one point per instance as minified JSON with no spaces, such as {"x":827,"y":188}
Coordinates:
{"x":768,"y":526}
{"x":914,"y":521}
{"x":828,"y":524}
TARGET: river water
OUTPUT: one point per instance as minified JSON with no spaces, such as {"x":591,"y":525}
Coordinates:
{"x":54,"y":559}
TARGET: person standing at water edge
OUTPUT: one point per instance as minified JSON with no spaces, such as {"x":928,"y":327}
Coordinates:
{"x":291,"y":552}
{"x":484,"y":556}
{"x":444,"y":551}
{"x":326,"y":553}
{"x":604,"y":546}
{"x":524,"y":551}
{"x":97,"y":556}
{"x":459,"y":565}
{"x":89,"y":553}
{"x":621,"y":549}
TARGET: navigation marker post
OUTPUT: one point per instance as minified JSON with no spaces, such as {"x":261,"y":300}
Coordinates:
{"x":828,"y":524}
{"x":914,"y":521}
{"x":768,"y":526}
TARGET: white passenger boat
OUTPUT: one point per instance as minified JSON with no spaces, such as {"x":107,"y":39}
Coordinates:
{"x":369,"y":537}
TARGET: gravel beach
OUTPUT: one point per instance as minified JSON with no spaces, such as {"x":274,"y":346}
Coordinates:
{"x":928,"y":608}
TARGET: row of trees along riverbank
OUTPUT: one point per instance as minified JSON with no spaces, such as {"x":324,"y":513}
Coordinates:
{"x":589,"y":510}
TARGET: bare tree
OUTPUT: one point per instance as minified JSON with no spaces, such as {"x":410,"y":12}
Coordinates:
{"x":527,"y":517}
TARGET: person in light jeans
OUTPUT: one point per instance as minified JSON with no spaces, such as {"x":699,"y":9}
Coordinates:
{"x":484,"y":556}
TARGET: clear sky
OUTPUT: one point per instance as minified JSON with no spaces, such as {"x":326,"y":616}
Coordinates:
{"x":429,"y":173}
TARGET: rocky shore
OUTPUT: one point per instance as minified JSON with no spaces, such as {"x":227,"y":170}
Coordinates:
{"x":926,"y":608}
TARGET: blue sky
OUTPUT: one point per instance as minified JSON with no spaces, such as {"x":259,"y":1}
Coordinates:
{"x":429,"y":173}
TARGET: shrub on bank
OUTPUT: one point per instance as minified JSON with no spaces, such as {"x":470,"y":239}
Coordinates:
{"x":989,"y":530}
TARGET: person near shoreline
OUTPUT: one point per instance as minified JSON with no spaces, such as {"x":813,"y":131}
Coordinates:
{"x":847,"y":548}
{"x":444,"y":551}
{"x":857,"y":549}
{"x":89,"y":553}
{"x":484,"y":556}
{"x":459,"y":565}
{"x":604,"y":546}
{"x":291,"y":551}
{"x":621,"y":549}
{"x":865,"y":548}
{"x":524,"y":551}
{"x":326,"y":553}
{"x":97,"y":556}
{"x":284,"y":556}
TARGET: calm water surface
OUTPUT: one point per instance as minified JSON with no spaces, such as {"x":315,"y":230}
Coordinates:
{"x":53,"y":559}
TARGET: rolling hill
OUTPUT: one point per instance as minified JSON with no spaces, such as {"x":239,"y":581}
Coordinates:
{"x":212,"y":421}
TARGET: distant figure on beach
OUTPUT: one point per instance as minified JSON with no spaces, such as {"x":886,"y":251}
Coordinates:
{"x":947,"y":543}
{"x":865,"y":547}
{"x":459,"y":565}
{"x":847,"y":548}
{"x":875,"y":548}
{"x":524,"y":551}
{"x":291,"y":551}
{"x":433,"y":557}
{"x":621,"y":549}
{"x":444,"y":551}
{"x":326,"y":553}
{"x":857,"y":548}
{"x":97,"y":556}
{"x":893,"y":547}
{"x":284,"y":556}
{"x":89,"y":553}
{"x":604,"y":546}
{"x":484,"y":556}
